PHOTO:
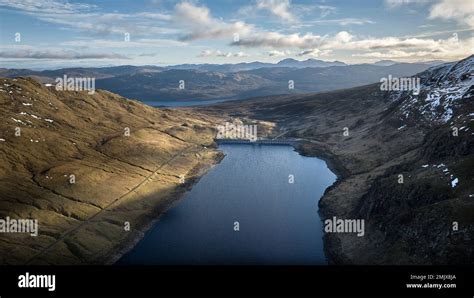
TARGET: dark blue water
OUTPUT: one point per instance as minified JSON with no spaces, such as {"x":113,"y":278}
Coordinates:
{"x":278,"y":221}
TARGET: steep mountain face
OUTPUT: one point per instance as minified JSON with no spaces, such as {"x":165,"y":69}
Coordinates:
{"x":432,"y":214}
{"x":443,"y":88}
{"x":83,"y":165}
{"x":400,"y":168}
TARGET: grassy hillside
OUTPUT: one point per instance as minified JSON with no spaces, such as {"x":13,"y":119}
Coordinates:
{"x":118,"y":178}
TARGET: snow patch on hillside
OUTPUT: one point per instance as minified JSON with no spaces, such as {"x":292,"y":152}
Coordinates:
{"x":441,"y":88}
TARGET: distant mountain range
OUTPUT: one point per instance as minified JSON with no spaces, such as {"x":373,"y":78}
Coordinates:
{"x":228,"y":81}
{"x":255,"y":65}
{"x":391,"y":62}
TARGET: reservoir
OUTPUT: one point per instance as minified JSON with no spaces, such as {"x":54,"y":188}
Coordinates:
{"x":278,"y":221}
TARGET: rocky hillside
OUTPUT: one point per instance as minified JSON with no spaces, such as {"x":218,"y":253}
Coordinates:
{"x":400,"y":167}
{"x":430,"y":217}
{"x":444,"y":89}
{"x":85,"y":166}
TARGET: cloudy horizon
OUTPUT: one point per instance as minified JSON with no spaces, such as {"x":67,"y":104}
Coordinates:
{"x":55,"y":33}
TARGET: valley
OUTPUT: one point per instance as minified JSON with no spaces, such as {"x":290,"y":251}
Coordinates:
{"x":390,"y":134}
{"x":236,"y":148}
{"x":371,"y":139}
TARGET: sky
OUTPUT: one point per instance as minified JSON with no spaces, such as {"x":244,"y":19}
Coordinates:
{"x":43,"y":34}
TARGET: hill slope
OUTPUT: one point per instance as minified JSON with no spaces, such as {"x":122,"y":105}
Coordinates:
{"x":118,"y":178}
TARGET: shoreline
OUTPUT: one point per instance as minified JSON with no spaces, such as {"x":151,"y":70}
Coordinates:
{"x":332,"y":162}
{"x":170,"y":202}
{"x":336,"y":166}
{"x":318,"y":150}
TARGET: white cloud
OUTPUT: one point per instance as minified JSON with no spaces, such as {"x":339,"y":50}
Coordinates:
{"x":56,"y":54}
{"x":190,"y":21}
{"x":390,"y":43}
{"x":314,"y":53}
{"x":154,"y":15}
{"x":332,"y":22}
{"x":447,"y":49}
{"x":287,"y":11}
{"x":395,"y":3}
{"x":461,"y":11}
{"x":217,"y":53}
{"x":138,"y":43}
{"x":426,"y":26}
{"x":393,"y":54}
{"x":241,"y":54}
{"x":306,"y":41}
{"x":278,"y":40}
{"x":349,"y":21}
{"x":84,"y":17}
{"x":439,"y":33}
{"x":280,"y":8}
{"x":326,"y":10}
{"x":46,"y":6}
{"x":275,"y":53}
{"x":201,"y":25}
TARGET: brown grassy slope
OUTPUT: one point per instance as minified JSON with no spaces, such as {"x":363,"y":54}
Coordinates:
{"x":118,"y":178}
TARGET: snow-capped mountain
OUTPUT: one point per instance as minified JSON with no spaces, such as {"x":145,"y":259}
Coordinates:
{"x":442,"y":90}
